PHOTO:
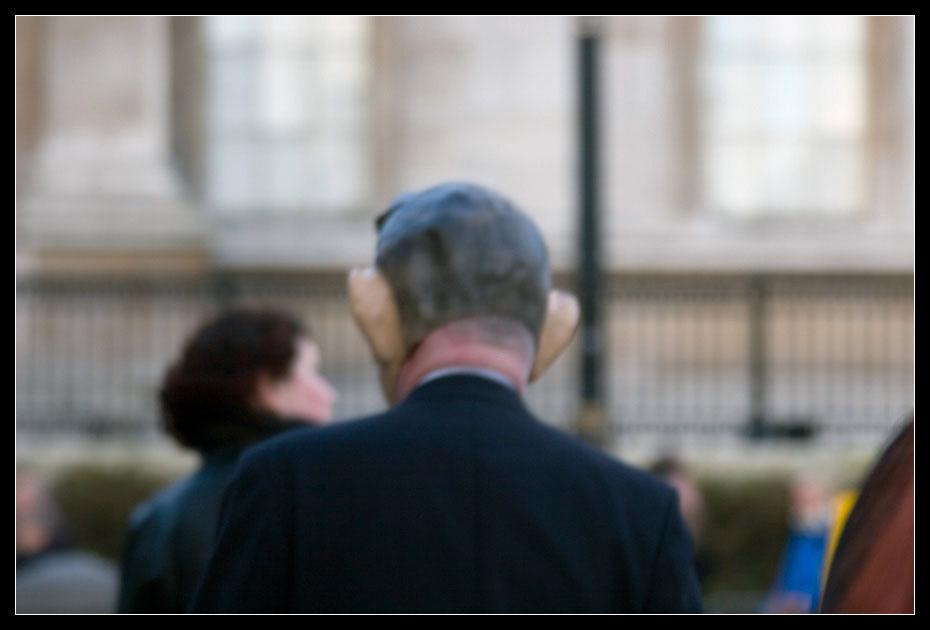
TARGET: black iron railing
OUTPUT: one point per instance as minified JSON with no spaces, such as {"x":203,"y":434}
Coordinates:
{"x":760,"y":355}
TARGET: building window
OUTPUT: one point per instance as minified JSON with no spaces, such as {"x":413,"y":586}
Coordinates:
{"x":783,"y":114}
{"x":286,"y":113}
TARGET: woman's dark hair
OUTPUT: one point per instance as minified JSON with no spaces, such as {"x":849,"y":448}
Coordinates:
{"x":208,"y":396}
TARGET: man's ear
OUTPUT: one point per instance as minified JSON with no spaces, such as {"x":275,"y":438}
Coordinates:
{"x":375,"y":310}
{"x":562,"y":315}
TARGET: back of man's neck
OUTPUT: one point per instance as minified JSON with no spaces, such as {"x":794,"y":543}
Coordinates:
{"x":435,"y":356}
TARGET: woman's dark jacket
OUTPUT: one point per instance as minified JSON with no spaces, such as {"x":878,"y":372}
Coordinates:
{"x":171,"y":535}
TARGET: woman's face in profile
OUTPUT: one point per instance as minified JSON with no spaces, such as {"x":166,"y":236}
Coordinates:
{"x":303,"y":392}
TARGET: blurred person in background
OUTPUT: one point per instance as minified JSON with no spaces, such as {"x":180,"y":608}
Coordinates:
{"x":797,"y":585}
{"x":690,"y":502}
{"x":51,"y":575}
{"x":243,"y":377}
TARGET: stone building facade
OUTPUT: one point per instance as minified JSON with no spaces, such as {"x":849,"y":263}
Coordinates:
{"x":184,"y":145}
{"x":113,"y":127}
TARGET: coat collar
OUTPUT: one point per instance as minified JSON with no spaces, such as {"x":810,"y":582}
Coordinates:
{"x":465,"y":386}
{"x":491,"y":375}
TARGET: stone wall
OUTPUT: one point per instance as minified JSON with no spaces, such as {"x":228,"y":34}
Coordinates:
{"x":109,"y":120}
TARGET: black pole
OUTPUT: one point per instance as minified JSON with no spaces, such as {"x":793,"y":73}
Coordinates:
{"x":757,"y":358}
{"x":761,"y":424}
{"x":591,"y":422}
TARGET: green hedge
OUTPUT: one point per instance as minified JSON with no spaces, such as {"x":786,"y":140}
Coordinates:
{"x":745,"y":532}
{"x":96,"y":501}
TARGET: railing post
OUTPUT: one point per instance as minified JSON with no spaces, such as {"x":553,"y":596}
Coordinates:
{"x":757,"y":357}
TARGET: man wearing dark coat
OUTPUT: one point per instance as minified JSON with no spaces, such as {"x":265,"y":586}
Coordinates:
{"x":456,"y":499}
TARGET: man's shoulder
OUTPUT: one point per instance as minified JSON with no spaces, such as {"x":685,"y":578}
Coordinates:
{"x":429,"y":431}
{"x":205,"y":480}
{"x":614,"y":475}
{"x":164,"y":505}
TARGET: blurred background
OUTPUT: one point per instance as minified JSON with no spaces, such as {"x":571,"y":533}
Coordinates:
{"x":733,"y":197}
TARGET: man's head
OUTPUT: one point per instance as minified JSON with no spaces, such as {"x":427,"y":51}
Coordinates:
{"x":453,"y":253}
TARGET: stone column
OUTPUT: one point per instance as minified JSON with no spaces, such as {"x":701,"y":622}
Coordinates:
{"x":100,"y":178}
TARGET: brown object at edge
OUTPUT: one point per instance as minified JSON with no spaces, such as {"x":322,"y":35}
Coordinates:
{"x":873,"y":569}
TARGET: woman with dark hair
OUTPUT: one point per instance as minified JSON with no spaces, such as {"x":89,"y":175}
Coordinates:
{"x":243,"y":377}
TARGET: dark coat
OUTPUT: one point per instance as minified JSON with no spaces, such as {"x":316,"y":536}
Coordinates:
{"x":171,"y":535}
{"x":457,"y":500}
